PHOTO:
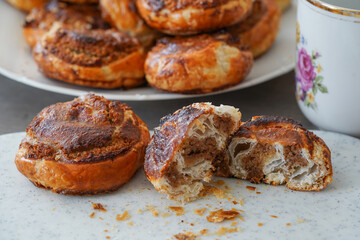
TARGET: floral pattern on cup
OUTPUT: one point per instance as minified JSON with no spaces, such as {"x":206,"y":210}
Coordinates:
{"x":309,"y":80}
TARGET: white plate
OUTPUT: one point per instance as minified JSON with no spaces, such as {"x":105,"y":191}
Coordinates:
{"x":27,"y":212}
{"x":16,"y":62}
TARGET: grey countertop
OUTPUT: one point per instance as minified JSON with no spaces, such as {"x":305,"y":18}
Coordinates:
{"x":20,"y":103}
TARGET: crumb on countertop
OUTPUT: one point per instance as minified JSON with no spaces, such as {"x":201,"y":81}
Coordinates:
{"x":123,"y":217}
{"x":185,"y":236}
{"x":179,"y":210}
{"x":98,"y":206}
{"x":251,"y":188}
{"x":221,"y":215}
{"x":200,"y":211}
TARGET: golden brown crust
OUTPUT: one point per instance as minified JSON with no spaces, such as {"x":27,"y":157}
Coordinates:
{"x":184,"y":17}
{"x":260,"y":28}
{"x":123,"y":15}
{"x":72,"y":16}
{"x":293,"y":138}
{"x":198,"y":64}
{"x":27,"y":5}
{"x":94,"y":58}
{"x":86,"y":146}
{"x":167,"y":139}
{"x":81,"y":1}
{"x":282,"y":4}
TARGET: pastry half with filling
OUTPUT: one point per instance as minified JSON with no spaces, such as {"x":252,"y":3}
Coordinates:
{"x":277,"y":150}
{"x":179,"y":158}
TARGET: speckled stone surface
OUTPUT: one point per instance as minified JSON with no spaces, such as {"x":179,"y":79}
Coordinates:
{"x":27,"y":212}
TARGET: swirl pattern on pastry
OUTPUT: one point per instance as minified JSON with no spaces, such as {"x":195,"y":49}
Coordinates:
{"x":73,"y":16}
{"x":94,"y":58}
{"x":185,"y":17}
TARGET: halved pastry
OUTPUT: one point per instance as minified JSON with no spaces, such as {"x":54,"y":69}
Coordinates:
{"x":27,"y":5}
{"x":184,"y":17}
{"x":277,"y":150}
{"x":260,"y":28}
{"x":197,"y":64}
{"x":94,"y":58}
{"x":123,"y":15}
{"x":73,"y":16}
{"x":86,"y":146}
{"x":181,"y":152}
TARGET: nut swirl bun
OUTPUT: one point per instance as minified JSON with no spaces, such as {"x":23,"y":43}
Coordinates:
{"x":26,"y":5}
{"x":184,"y":17}
{"x":181,"y":152}
{"x":123,"y":15}
{"x":197,"y":64}
{"x":260,"y":28}
{"x":73,"y":16}
{"x":86,"y":146}
{"x":95,"y":58}
{"x":277,"y":150}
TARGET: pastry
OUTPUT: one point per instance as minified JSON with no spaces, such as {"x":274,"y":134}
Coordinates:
{"x":260,"y":28}
{"x":86,"y":146}
{"x":94,"y":58}
{"x":197,"y":64}
{"x":26,"y":5}
{"x":184,"y":17}
{"x":123,"y":15}
{"x":40,"y":20}
{"x":181,"y":152}
{"x":80,"y":1}
{"x":277,"y":150}
{"x":283,"y":4}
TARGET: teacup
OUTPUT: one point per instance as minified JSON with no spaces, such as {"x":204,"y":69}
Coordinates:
{"x":328,"y":64}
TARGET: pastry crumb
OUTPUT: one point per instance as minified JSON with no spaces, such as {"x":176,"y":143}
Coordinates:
{"x":179,"y":210}
{"x":273,"y":216}
{"x":130,"y":223}
{"x":92,"y":215}
{"x":233,"y":224}
{"x":218,"y":182}
{"x":260,"y":224}
{"x":185,"y":236}
{"x":154,"y":212}
{"x":204,"y":232}
{"x":200,"y":211}
{"x":123,"y":217}
{"x":221,"y":215}
{"x":165,"y":214}
{"x":108,"y":237}
{"x":98,"y":206}
{"x":258,"y":192}
{"x":251,"y":188}
{"x":288,"y":224}
{"x":223,"y":230}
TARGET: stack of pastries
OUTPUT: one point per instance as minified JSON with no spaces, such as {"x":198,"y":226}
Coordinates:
{"x":175,"y":46}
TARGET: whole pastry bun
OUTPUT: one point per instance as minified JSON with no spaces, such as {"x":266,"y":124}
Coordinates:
{"x":81,"y":1}
{"x":86,"y":146}
{"x":197,"y":64}
{"x":184,"y":17}
{"x":26,"y":5}
{"x":260,"y":28}
{"x":94,"y":58}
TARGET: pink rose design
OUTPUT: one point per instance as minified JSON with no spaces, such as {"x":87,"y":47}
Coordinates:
{"x":305,"y":70}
